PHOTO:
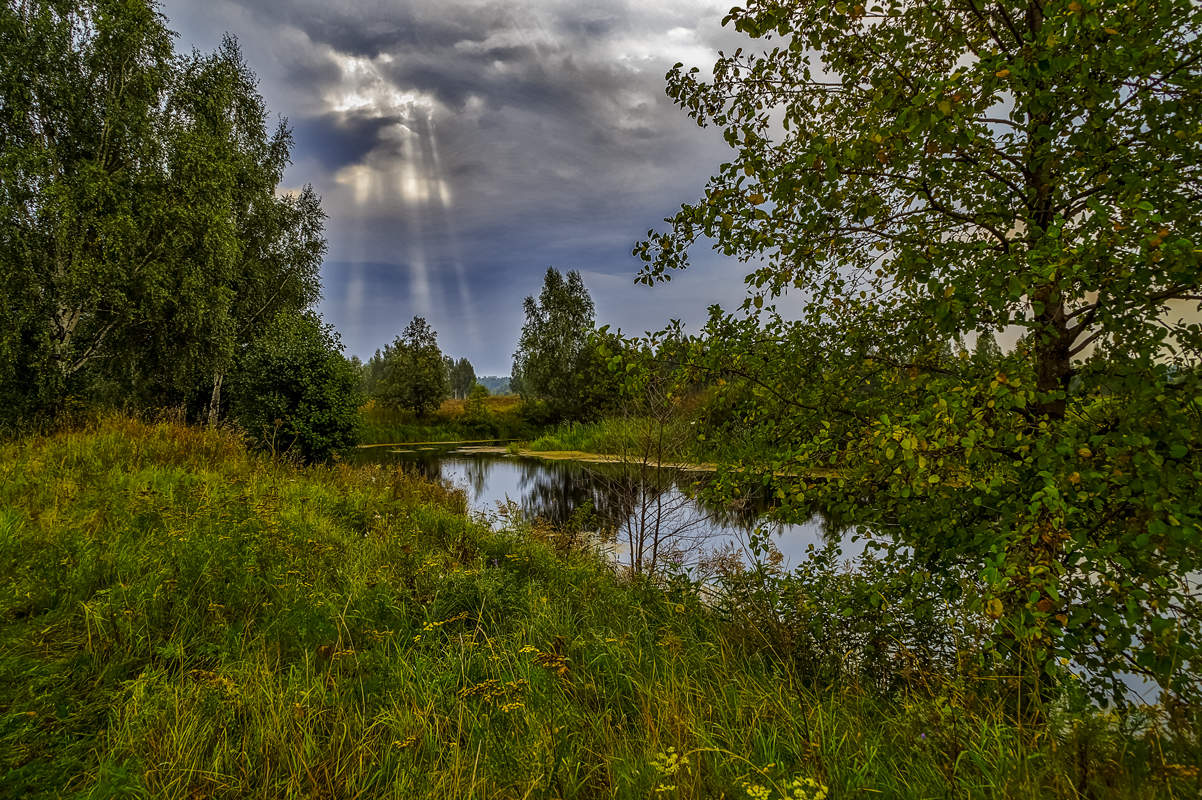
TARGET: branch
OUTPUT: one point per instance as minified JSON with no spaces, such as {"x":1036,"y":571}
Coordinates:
{"x":91,"y":352}
{"x":925,"y":188}
{"x":1093,"y":337}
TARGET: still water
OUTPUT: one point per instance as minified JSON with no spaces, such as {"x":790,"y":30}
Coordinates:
{"x":623,"y":501}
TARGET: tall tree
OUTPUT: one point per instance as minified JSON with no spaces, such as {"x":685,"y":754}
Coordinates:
{"x":267,"y":258}
{"x":414,"y":375}
{"x":919,"y":172}
{"x":85,"y":192}
{"x":138,"y":210}
{"x":550,"y":364}
{"x":463,"y":378}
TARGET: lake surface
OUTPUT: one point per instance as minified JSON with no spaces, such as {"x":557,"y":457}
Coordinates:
{"x":625,"y":502}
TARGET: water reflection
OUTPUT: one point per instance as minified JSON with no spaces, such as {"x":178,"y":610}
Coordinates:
{"x":646,"y":515}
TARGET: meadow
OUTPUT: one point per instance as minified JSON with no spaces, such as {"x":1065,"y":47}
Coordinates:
{"x":180,"y":617}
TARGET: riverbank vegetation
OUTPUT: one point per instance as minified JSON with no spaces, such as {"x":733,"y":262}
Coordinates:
{"x":181,"y":617}
{"x":478,"y":417}
{"x":921,"y":196}
{"x":970,"y":337}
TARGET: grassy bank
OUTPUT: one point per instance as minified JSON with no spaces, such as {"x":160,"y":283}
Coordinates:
{"x":179,"y":618}
{"x":625,"y":436}
{"x":501,"y":419}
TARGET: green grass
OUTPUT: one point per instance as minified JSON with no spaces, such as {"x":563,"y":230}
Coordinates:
{"x":502,"y":419}
{"x":179,"y":618}
{"x":622,"y":436}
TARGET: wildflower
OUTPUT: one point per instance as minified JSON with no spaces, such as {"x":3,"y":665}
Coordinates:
{"x":552,"y":661}
{"x":429,"y":626}
{"x":755,"y":791}
{"x":667,"y":765}
{"x":805,"y":789}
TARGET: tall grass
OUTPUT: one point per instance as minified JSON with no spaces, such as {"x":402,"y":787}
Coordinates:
{"x":179,"y":618}
{"x":621,"y":435}
{"x":501,"y":419}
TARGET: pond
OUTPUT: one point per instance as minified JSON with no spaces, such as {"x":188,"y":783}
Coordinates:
{"x":636,"y":509}
{"x":630,"y":503}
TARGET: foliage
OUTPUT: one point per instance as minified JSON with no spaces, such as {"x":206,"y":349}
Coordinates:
{"x":294,"y":389}
{"x":273,"y":245}
{"x":614,"y":435}
{"x":411,"y":371}
{"x":500,"y":418}
{"x":462,"y":377}
{"x":83,"y":189}
{"x":920,"y":173}
{"x":141,"y":239}
{"x":199,"y":621}
{"x":371,"y":372}
{"x":865,"y":624}
{"x":650,"y":413}
{"x":557,"y":364}
{"x":475,"y":407}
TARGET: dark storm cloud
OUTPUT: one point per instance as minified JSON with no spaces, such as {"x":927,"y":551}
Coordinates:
{"x":340,"y":139}
{"x":462,"y":147}
{"x":369,"y":28}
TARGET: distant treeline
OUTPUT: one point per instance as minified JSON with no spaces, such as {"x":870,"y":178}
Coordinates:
{"x":496,"y":384}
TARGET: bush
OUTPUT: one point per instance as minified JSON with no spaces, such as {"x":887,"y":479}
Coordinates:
{"x":866,"y":625}
{"x":295,"y":391}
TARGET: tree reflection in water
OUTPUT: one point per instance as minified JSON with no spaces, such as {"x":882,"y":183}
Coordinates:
{"x":644,"y":517}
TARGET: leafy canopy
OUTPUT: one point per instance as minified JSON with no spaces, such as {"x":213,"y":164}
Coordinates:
{"x":910,"y":175}
{"x":551,"y":364}
{"x":142,"y":242}
{"x":462,"y":376}
{"x":294,"y":390}
{"x":411,"y":373}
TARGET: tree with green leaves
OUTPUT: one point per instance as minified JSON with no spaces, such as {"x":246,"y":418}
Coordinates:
{"x":139,"y":221}
{"x":915,"y":173}
{"x":86,"y":194}
{"x":270,"y":257}
{"x":293,"y":390}
{"x":552,"y":362}
{"x":414,"y":374}
{"x":475,"y":410}
{"x":986,"y":352}
{"x":462,"y":377}
{"x":372,"y":372}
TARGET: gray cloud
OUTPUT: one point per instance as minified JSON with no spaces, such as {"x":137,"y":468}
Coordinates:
{"x":462,"y":147}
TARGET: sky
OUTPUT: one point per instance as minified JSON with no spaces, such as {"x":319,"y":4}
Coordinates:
{"x":461,"y":148}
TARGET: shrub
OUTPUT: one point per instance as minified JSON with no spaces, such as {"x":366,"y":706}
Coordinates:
{"x":295,"y":391}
